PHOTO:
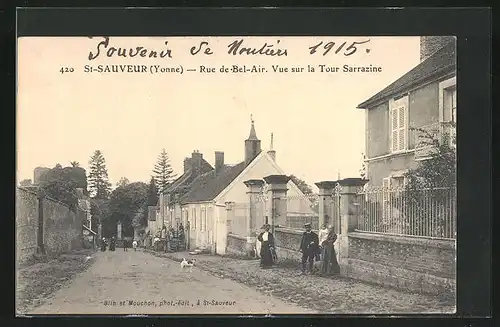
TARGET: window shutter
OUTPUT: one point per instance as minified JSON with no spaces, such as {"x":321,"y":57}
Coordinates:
{"x":454,"y":105}
{"x":402,"y":128}
{"x":394,"y":129}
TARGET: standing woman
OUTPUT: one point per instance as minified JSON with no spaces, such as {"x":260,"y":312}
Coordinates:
{"x":266,"y":239}
{"x":103,"y":244}
{"x":330,"y":265}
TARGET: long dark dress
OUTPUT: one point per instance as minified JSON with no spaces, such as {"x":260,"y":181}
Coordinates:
{"x":112,"y":245}
{"x":330,"y":265}
{"x":103,"y":245}
{"x":266,"y":256}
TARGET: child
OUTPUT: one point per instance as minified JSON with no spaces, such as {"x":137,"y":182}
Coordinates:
{"x":134,"y":245}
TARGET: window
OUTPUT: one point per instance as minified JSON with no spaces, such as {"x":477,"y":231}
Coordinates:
{"x":451,"y":103}
{"x":448,"y":105}
{"x":194,"y":218}
{"x":398,"y":124}
{"x":398,"y":181}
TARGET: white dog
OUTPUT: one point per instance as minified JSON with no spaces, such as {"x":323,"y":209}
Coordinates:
{"x":185,"y":263}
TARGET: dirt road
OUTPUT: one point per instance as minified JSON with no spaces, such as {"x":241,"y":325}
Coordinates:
{"x":139,"y":283}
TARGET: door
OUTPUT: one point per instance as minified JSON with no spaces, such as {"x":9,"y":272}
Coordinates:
{"x":221,"y":230}
{"x":203,"y":233}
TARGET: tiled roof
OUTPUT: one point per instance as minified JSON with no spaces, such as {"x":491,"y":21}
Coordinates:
{"x":439,"y":64}
{"x":188,"y":177}
{"x":207,"y":186}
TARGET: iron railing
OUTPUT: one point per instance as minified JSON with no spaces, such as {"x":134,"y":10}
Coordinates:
{"x":425,"y":212}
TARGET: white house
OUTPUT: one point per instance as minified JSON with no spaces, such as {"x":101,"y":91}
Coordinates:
{"x":202,"y":201}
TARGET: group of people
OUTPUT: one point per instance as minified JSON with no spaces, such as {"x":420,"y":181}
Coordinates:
{"x":111,"y":243}
{"x":168,"y":239}
{"x":313,"y":247}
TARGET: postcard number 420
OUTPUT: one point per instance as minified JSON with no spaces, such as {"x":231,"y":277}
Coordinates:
{"x":66,"y":70}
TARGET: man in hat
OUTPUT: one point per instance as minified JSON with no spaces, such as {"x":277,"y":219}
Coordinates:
{"x":308,"y":247}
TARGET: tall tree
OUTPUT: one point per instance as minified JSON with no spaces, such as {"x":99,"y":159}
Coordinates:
{"x":164,"y":174}
{"x":61,"y":183}
{"x":75,"y":164}
{"x":152,"y":192}
{"x":152,"y":200}
{"x":440,"y":170}
{"x":307,"y":190}
{"x":126,"y":202}
{"x":122,"y":182}
{"x":302,"y":185}
{"x":99,"y":210}
{"x":99,"y":185}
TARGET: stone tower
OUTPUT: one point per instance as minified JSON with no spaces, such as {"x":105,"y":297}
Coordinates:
{"x":252,"y":145}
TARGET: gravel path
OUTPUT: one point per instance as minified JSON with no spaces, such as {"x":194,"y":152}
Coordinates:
{"x":325,"y":295}
{"x":139,"y":283}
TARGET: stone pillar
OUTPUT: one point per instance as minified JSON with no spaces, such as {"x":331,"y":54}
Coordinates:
{"x":326,"y":202}
{"x":254,"y":189}
{"x":277,"y":199}
{"x":119,"y":231}
{"x":348,"y":216}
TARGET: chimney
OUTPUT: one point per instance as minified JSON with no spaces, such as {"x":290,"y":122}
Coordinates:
{"x":430,"y":44}
{"x":187,"y":164}
{"x":271,"y":151}
{"x":196,"y":162}
{"x":219,"y":161}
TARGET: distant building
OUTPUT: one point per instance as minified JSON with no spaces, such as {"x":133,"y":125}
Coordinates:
{"x":38,"y":172}
{"x":200,"y":198}
{"x":423,"y":98}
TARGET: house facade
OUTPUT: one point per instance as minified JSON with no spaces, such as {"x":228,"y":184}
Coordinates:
{"x":200,"y":201}
{"x":422,"y":99}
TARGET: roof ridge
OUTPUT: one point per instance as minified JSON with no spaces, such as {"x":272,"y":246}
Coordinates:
{"x":433,"y":64}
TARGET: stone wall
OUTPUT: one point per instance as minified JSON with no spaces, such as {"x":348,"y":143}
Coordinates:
{"x":62,"y":227}
{"x":236,"y":244}
{"x":26,"y":224}
{"x":287,"y":243}
{"x":411,"y":263}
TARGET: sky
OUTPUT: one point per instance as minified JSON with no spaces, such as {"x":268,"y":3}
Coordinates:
{"x":130,"y":117}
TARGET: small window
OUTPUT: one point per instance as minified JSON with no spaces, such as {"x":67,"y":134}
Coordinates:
{"x":398,"y":124}
{"x":450,"y":104}
{"x":398,"y":182}
{"x":448,"y":108}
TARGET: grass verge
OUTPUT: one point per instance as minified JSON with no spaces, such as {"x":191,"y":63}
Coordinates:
{"x":43,"y":277}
